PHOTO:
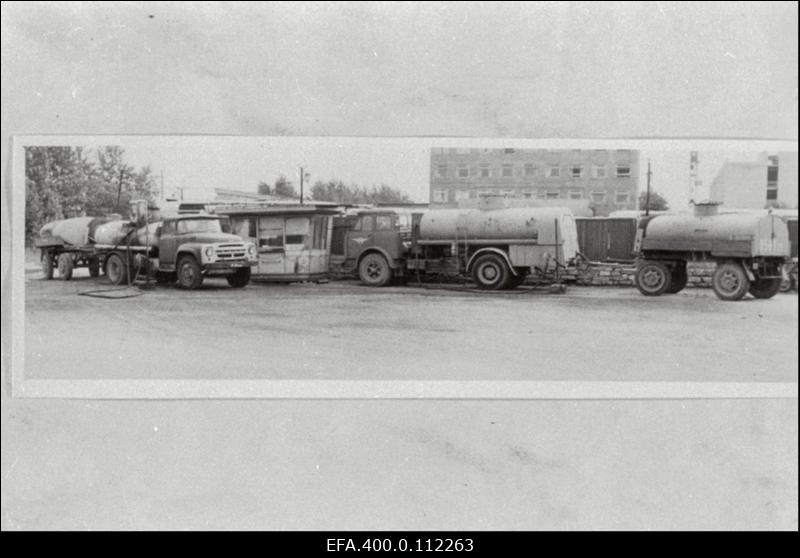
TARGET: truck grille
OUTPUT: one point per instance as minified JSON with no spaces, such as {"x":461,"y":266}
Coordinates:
{"x":230,"y":252}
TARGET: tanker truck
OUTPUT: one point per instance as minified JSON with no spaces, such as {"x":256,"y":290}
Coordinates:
{"x":497,"y":248}
{"x":749,"y":251}
{"x":182,"y":248}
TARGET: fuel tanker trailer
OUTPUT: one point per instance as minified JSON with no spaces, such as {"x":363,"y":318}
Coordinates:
{"x":749,"y":251}
{"x":497,"y":248}
{"x":182,"y":248}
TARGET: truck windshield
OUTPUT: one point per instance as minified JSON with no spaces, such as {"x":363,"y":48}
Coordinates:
{"x":199,"y":226}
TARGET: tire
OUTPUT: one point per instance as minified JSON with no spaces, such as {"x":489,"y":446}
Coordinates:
{"x":47,"y":265}
{"x":189,"y":273}
{"x":240,"y":278}
{"x":653,"y":278}
{"x":65,"y":266}
{"x":679,"y":279}
{"x":786,"y":285}
{"x":730,"y":281}
{"x":116,"y":269}
{"x":490,"y":272}
{"x":765,"y":288}
{"x":374,"y":270}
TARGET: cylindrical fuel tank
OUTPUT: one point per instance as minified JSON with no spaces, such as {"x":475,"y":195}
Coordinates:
{"x":78,"y":231}
{"x":746,"y":234}
{"x":115,"y":233}
{"x":509,"y":223}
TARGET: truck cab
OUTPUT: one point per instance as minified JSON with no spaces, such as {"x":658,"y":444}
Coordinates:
{"x":373,"y":243}
{"x":190,"y":247}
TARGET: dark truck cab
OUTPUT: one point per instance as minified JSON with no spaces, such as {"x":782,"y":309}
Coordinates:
{"x":372,"y":243}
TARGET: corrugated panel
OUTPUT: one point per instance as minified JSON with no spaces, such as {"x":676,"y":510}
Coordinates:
{"x":602,"y":239}
{"x":621,"y":234}
{"x":793,"y":236}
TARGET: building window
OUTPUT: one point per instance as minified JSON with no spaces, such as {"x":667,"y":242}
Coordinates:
{"x":462,"y":195}
{"x":552,"y":195}
{"x":599,"y":171}
{"x":623,"y":170}
{"x":508,"y":193}
{"x":463,"y":172}
{"x":622,"y":197}
{"x":576,"y":171}
{"x":576,"y":195}
{"x":598,"y":197}
{"x":441,"y":171}
{"x":772,"y":177}
{"x":530,"y":170}
{"x":439,"y":196}
{"x":527,"y":194}
{"x":509,"y":150}
{"x":485,"y":172}
{"x":541,"y":194}
{"x":554,"y":172}
{"x":508,"y":170}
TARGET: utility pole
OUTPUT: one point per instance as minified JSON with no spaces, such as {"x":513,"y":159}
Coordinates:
{"x":301,"y":185}
{"x":647,"y":199}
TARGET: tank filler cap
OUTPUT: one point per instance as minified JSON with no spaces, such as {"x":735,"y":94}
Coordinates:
{"x":706,"y":208}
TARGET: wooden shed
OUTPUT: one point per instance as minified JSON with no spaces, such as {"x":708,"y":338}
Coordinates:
{"x":293,"y":240}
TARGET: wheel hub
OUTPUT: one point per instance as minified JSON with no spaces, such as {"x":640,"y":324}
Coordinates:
{"x":489,"y":273}
{"x":652,"y":278}
{"x":729,"y":281}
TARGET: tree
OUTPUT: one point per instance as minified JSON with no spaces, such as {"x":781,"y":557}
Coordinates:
{"x":657,"y":202}
{"x":64,"y":182}
{"x":284,"y":188}
{"x":338,"y":192}
{"x":264,"y":189}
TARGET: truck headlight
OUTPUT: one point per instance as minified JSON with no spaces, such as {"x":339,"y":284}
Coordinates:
{"x":251,"y":251}
{"x":209,"y":252}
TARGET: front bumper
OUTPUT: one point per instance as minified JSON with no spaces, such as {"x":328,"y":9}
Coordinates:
{"x":226,"y":267}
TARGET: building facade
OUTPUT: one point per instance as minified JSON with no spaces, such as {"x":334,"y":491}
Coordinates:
{"x":607,"y":179}
{"x":771,"y":180}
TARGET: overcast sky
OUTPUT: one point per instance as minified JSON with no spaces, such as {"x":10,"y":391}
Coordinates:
{"x":198,"y":165}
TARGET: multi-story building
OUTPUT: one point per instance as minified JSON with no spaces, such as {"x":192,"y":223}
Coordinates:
{"x":770,"y":180}
{"x":607,"y":179}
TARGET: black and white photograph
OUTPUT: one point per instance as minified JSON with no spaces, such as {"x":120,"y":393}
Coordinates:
{"x":370,"y":266}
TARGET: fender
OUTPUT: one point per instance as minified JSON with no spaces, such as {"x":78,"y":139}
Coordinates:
{"x":379,"y":250}
{"x":497,"y":251}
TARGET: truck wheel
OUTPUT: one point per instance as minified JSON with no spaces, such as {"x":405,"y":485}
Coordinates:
{"x":653,"y":278}
{"x":491,"y":272}
{"x":678,"y":279}
{"x":730,"y":282}
{"x":47,"y":265}
{"x":65,"y":266}
{"x":374,"y":270}
{"x":116,"y":269}
{"x":189,"y":273}
{"x":765,"y":288}
{"x":786,"y":284}
{"x":240,"y":278}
